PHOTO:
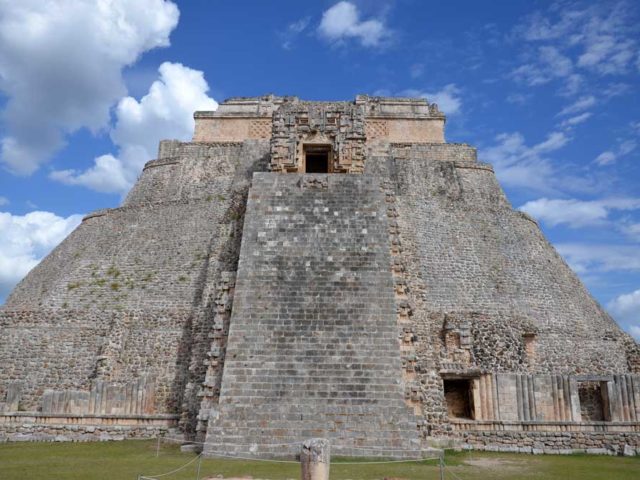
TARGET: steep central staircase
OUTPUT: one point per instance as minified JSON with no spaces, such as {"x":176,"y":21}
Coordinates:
{"x":313,"y":343}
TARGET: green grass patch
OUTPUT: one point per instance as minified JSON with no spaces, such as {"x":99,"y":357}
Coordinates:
{"x":113,"y":272}
{"x":128,"y":459}
{"x":73,"y":285}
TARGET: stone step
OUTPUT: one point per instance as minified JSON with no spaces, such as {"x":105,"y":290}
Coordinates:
{"x":313,"y":340}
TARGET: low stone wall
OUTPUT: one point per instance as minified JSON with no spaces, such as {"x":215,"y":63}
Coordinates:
{"x":33,"y":427}
{"x":559,"y":443}
{"x":548,"y":427}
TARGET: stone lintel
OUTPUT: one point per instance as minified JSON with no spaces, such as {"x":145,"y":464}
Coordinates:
{"x":594,"y":378}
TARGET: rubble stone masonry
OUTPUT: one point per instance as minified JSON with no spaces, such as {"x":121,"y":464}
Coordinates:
{"x":396,"y":300}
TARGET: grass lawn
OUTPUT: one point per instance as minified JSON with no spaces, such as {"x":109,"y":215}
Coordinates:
{"x":126,"y":460}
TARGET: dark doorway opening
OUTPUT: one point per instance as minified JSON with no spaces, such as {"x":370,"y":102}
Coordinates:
{"x":317,"y":160}
{"x":459,"y":399}
{"x":591,"y":401}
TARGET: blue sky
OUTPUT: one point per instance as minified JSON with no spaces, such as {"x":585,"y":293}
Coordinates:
{"x":547,"y":91}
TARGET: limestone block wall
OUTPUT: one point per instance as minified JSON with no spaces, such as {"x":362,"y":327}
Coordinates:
{"x":60,"y":354}
{"x":486,"y":292}
{"x":472,"y":253}
{"x":313,"y":341}
{"x":128,"y":294}
{"x":30,"y":427}
{"x":555,"y":442}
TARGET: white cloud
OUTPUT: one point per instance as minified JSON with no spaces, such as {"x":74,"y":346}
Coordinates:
{"x":616,"y":89}
{"x":520,"y":165}
{"x":61,"y":64}
{"x":627,"y":147}
{"x":26,"y":239}
{"x":606,"y":158}
{"x":577,"y":213}
{"x":607,"y":54}
{"x":626,"y":309}
{"x":624,"y":147}
{"x":550,"y":64}
{"x":598,"y":38}
{"x":300,"y":25}
{"x":107,"y":175}
{"x":166,"y":112}
{"x":4,"y":201}
{"x":590,"y":258}
{"x":556,"y":61}
{"x":571,"y":121}
{"x":572,"y":85}
{"x":292,"y":31}
{"x":579,"y":105}
{"x":342,"y":21}
{"x":447,"y":98}
{"x":519,"y":98}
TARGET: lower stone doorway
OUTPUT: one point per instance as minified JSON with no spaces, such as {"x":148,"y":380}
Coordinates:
{"x":459,"y":398}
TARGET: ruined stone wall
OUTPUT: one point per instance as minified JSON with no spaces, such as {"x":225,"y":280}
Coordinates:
{"x":485,"y":290}
{"x":563,"y":443}
{"x":27,"y":427}
{"x":357,"y":297}
{"x":475,"y":256}
{"x":128,"y":293}
{"x":313,"y":340}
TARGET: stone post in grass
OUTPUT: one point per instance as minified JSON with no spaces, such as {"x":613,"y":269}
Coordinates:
{"x":315,"y":459}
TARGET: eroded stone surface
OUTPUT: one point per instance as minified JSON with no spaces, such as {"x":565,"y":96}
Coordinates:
{"x":238,"y":294}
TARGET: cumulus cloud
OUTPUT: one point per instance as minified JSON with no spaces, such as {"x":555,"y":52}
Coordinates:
{"x":61,"y":64}
{"x":626,"y":309}
{"x":577,"y":213}
{"x":342,"y":22}
{"x":448,"y":98}
{"x":25,"y":240}
{"x":166,"y":112}
{"x":520,"y":165}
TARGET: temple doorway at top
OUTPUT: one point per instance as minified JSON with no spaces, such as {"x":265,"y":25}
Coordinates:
{"x":317,"y":159}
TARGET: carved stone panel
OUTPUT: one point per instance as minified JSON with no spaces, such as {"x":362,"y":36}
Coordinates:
{"x":337,"y":125}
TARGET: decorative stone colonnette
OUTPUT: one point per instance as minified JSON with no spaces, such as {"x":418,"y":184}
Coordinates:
{"x":106,"y":412}
{"x":554,"y":413}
